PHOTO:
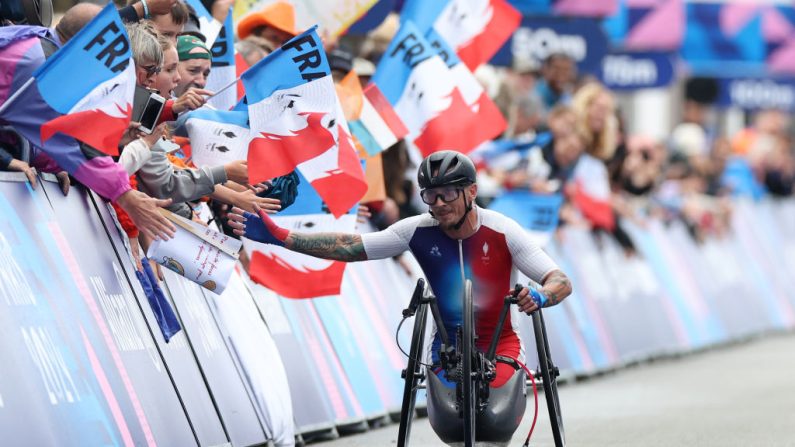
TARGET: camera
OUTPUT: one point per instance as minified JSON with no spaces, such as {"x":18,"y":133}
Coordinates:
{"x":26,"y":12}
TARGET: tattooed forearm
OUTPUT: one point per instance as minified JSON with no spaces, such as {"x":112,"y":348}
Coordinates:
{"x":556,"y":287}
{"x":336,"y":246}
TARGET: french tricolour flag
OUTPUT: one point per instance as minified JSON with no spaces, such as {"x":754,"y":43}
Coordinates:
{"x":91,"y":82}
{"x":592,"y":192}
{"x":475,"y":28}
{"x":418,"y":83}
{"x":297,"y":122}
{"x":295,"y":275}
{"x":489,"y":119}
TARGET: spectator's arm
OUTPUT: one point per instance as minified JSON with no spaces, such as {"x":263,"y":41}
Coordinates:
{"x":134,"y":156}
{"x":44,"y":163}
{"x":135,"y":12}
{"x":161,"y":180}
{"x":168,"y":112}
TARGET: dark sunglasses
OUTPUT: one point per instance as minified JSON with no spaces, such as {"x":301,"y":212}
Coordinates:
{"x":446,"y":193}
{"x":152,"y":70}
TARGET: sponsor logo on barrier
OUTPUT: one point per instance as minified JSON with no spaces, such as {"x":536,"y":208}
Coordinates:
{"x":47,"y":357}
{"x":14,"y":286}
{"x":123,"y":316}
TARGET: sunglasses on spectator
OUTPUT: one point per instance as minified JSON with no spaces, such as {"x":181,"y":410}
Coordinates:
{"x":446,"y":193}
{"x":152,"y":70}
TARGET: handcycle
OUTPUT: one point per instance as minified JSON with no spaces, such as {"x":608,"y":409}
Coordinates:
{"x":473,"y":411}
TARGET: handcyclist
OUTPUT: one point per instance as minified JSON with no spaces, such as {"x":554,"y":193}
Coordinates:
{"x":455,"y":241}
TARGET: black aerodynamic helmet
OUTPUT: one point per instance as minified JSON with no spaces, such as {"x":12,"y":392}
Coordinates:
{"x":451,"y":168}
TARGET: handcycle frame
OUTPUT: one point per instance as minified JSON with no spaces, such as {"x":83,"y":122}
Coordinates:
{"x":471,"y":395}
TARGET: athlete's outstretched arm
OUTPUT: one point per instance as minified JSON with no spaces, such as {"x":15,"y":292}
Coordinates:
{"x":337,"y":246}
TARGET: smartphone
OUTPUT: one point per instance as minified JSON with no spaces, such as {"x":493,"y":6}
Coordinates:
{"x":151,"y":113}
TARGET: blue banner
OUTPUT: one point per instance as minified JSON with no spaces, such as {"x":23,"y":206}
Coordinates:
{"x":538,"y":37}
{"x":537,"y":212}
{"x":635,"y":70}
{"x":757,"y":93}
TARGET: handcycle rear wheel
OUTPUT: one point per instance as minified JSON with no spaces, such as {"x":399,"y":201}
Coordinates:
{"x":468,"y":385}
{"x":413,"y":376}
{"x":549,"y":379}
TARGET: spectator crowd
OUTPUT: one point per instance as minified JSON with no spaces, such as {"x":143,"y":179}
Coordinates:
{"x":566,"y":135}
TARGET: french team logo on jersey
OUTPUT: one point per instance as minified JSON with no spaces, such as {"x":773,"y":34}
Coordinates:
{"x":90,"y":82}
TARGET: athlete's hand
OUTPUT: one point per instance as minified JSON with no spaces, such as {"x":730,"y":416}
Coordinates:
{"x":258,"y":227}
{"x":530,"y":300}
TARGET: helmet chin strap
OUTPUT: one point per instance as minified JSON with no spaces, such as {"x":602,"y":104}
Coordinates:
{"x":468,"y":208}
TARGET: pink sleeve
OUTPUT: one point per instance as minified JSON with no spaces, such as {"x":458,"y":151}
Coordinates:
{"x":104,"y":176}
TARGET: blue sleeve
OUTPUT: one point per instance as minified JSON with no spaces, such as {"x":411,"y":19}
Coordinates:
{"x":129,"y":15}
{"x":5,"y":159}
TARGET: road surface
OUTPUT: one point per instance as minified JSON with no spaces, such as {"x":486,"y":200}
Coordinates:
{"x":739,"y":395}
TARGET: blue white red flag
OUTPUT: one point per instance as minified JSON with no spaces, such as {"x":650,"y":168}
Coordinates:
{"x":91,"y":82}
{"x":592,"y":192}
{"x":295,"y":275}
{"x":297,"y":122}
{"x":416,"y":81}
{"x":22,"y":106}
{"x":489,"y":119}
{"x":477,"y":29}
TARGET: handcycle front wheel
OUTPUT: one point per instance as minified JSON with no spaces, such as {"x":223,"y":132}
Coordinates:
{"x":548,"y":379}
{"x":468,"y":386}
{"x":413,"y":376}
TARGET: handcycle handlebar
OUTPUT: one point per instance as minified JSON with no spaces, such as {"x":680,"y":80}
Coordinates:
{"x":421,"y":296}
{"x":509,"y":299}
{"x":416,"y":298}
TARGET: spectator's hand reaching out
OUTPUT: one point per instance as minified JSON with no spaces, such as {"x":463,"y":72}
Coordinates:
{"x":132,"y":133}
{"x":248,"y":199}
{"x":190,"y":100}
{"x":220,"y":9}
{"x":363,"y":213}
{"x":159,"y":132}
{"x":156,"y":7}
{"x":237,"y":171}
{"x":143,"y":210}
{"x":21,"y":166}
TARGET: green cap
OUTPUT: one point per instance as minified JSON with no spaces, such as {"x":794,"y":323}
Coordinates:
{"x":186,"y":48}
